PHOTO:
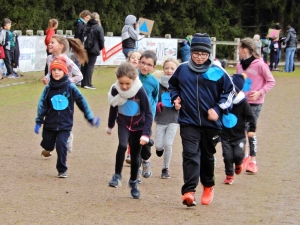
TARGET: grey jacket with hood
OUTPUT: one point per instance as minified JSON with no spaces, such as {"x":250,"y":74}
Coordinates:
{"x":291,"y":38}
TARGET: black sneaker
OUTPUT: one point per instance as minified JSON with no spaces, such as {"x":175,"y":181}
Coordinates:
{"x":135,"y":193}
{"x":159,"y":153}
{"x":115,"y":181}
{"x":150,"y":143}
{"x":165,"y":174}
{"x":62,"y":175}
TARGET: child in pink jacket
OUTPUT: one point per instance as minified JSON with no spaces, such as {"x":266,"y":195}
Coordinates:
{"x":258,"y":82}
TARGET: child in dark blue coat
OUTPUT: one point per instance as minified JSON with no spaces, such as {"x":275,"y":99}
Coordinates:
{"x":55,"y":111}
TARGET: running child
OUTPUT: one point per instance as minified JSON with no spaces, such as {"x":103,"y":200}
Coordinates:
{"x":58,"y":47}
{"x":166,"y":118}
{"x":147,"y":64}
{"x":55,"y":112}
{"x":259,"y":81}
{"x":233,"y":137}
{"x":133,"y":58}
{"x":130,"y":108}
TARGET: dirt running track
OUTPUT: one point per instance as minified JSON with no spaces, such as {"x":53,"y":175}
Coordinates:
{"x":30,"y":192}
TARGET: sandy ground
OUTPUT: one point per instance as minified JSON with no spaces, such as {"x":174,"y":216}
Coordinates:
{"x":30,"y":192}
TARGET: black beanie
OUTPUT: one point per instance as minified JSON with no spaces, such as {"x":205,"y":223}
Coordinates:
{"x":201,"y":42}
{"x":239,"y":80}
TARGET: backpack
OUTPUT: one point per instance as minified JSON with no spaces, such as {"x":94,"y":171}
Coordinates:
{"x":2,"y":37}
{"x":88,"y":38}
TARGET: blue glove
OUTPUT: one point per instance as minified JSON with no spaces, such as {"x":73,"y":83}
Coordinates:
{"x":95,"y":121}
{"x":37,"y":128}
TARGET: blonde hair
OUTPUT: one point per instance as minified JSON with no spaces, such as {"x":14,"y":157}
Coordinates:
{"x":52,"y":23}
{"x":173,"y":60}
{"x":96,"y":17}
{"x":131,"y":52}
{"x":75,"y":44}
{"x":128,"y":70}
{"x":249,"y":44}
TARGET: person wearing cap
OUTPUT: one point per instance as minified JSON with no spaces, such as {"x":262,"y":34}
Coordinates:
{"x":130,"y":34}
{"x":233,"y":137}
{"x":201,"y":91}
{"x":55,"y":111}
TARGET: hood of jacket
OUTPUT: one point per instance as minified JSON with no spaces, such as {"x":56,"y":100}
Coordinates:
{"x":80,"y":20}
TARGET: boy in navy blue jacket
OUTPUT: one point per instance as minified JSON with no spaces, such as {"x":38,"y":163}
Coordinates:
{"x":55,"y":112}
{"x":200,"y":91}
{"x":233,"y":136}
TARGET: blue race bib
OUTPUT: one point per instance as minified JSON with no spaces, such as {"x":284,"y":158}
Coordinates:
{"x":130,"y":108}
{"x":229,"y":120}
{"x":59,"y":102}
{"x":166,"y":99}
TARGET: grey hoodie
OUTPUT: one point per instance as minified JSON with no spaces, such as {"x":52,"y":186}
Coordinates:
{"x":291,"y":38}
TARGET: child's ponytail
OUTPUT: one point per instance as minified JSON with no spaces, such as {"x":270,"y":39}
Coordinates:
{"x":78,"y":49}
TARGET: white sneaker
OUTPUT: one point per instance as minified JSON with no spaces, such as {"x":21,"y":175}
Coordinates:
{"x":90,"y":87}
{"x":70,"y":142}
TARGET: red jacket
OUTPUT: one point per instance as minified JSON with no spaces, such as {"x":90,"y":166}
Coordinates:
{"x":49,"y":33}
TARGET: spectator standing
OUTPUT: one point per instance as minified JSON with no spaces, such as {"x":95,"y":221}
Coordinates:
{"x":84,"y":17}
{"x":130,"y":34}
{"x":93,"y":31}
{"x":8,"y":49}
{"x":52,"y":26}
{"x":290,"y":49}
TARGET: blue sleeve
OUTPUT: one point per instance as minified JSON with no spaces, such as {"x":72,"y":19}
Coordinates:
{"x":42,"y":107}
{"x":82,"y":103}
{"x":173,"y":85}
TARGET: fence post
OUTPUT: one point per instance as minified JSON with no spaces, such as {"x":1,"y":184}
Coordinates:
{"x":236,"y":52}
{"x":214,"y":46}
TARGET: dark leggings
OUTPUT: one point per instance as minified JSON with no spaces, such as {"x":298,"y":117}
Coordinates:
{"x":133,"y":138}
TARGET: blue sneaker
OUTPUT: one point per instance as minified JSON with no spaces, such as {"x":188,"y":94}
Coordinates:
{"x":135,"y":193}
{"x":115,"y":181}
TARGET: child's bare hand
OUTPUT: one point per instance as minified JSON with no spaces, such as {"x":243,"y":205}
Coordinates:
{"x":143,"y":142}
{"x":212,"y":115}
{"x":254,"y":95}
{"x":108,"y":130}
{"x":177,"y":103}
{"x":251,"y":134}
{"x":45,"y":81}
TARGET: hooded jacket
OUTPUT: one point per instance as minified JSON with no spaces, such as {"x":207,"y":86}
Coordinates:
{"x":259,"y":78}
{"x":130,"y":34}
{"x":242,"y":111}
{"x":291,"y":38}
{"x":79,"y":26}
{"x":56,"y":105}
{"x":199,"y":92}
{"x":98,"y":36}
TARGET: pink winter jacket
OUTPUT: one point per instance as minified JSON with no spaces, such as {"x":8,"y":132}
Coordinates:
{"x":260,"y":79}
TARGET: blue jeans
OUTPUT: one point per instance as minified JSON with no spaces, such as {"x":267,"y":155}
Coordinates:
{"x":126,"y":51}
{"x":289,"y":59}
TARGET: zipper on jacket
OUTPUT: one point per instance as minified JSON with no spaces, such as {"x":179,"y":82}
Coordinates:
{"x":198,"y":101}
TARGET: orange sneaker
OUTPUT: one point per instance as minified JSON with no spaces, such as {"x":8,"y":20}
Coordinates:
{"x":238,"y":169}
{"x":228,"y":180}
{"x":246,"y":161}
{"x":252,"y":167}
{"x":208,"y":195}
{"x":188,"y":199}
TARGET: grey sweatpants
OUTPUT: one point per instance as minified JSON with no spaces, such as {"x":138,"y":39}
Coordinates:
{"x":164,"y":138}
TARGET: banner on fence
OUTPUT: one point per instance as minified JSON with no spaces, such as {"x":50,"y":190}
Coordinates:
{"x":33,"y":51}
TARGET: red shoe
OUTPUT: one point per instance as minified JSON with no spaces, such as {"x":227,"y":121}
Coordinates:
{"x":188,"y":199}
{"x":207,"y":196}
{"x":246,"y":161}
{"x":252,"y":167}
{"x":228,"y":180}
{"x":238,"y":169}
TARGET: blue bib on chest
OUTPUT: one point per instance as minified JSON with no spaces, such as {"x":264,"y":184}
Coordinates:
{"x":59,"y":102}
{"x":247,"y":85}
{"x":229,"y":120}
{"x":166,"y":99}
{"x":214,"y":74}
{"x":130,"y":108}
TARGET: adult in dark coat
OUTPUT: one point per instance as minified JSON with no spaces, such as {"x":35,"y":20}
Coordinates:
{"x":98,"y":37}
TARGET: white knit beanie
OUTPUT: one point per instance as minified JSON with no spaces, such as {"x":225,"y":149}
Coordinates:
{"x":130,"y":20}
